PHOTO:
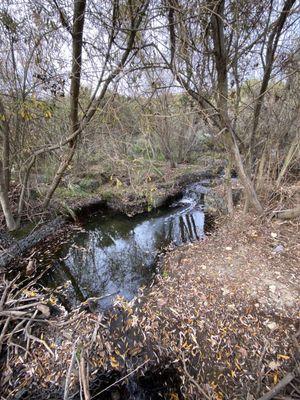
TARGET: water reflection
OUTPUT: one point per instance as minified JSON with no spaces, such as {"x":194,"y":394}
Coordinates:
{"x":116,"y":254}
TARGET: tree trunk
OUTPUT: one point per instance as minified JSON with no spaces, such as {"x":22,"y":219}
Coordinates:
{"x":221,"y":58}
{"x":77,"y":35}
{"x":246,"y":181}
{"x":229,"y":186}
{"x":4,"y":128}
{"x":59,"y":174}
{"x":4,"y":200}
{"x":294,"y":148}
{"x":5,"y":171}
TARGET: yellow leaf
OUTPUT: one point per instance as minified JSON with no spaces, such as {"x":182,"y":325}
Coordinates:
{"x":275,"y":378}
{"x":119,"y":183}
{"x":29,"y":293}
{"x":48,"y":114}
{"x":114,"y":363}
{"x":283,"y":356}
{"x":52,"y":299}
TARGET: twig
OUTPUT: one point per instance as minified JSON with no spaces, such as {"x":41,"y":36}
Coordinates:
{"x":120,"y":380}
{"x":3,"y":332}
{"x":34,"y":338}
{"x":259,"y":368}
{"x":201,"y":390}
{"x":13,"y":344}
{"x":71,"y":366}
{"x":5,"y":292}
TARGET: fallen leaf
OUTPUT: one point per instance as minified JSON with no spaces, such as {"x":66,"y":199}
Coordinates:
{"x":274,"y":365}
{"x":114,"y":363}
{"x":283,"y":356}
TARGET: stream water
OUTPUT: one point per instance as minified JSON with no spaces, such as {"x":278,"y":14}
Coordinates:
{"x":115,"y":255}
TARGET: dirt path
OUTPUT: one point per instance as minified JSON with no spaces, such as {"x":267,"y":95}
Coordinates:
{"x":223,"y":314}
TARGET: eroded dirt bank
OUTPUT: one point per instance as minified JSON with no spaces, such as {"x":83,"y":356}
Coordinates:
{"x":223,"y":315}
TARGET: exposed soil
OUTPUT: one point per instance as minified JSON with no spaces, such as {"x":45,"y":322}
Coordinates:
{"x":223,"y":314}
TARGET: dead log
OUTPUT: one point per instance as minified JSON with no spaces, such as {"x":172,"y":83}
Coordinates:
{"x":288,"y":214}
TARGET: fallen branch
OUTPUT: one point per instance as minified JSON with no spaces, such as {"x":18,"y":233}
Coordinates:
{"x":259,"y":369}
{"x":280,"y":385}
{"x":83,"y":372}
{"x":288,"y":214}
{"x":68,"y":377}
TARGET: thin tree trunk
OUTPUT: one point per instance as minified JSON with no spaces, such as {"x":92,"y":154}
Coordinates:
{"x":270,"y":57}
{"x":229,"y":186}
{"x":289,"y":158}
{"x":261,"y":169}
{"x":24,"y":187}
{"x":4,"y":200}
{"x":4,"y":128}
{"x":246,"y":181}
{"x":221,"y":58}
{"x":5,"y":171}
{"x":59,"y":174}
{"x":77,"y":35}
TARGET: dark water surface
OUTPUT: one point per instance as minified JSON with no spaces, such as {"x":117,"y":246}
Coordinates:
{"x":115,"y":254}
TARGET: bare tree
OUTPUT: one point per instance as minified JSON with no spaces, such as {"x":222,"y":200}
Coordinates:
{"x":136,"y":17}
{"x":204,"y":52}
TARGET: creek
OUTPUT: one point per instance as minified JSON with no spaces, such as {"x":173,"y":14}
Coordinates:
{"x":113,"y":254}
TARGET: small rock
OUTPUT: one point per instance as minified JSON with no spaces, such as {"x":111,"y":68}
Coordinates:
{"x":273,"y":235}
{"x":228,"y":248}
{"x":271,"y":325}
{"x":45,"y":310}
{"x":278,"y":249}
{"x":272,"y":288}
{"x":225,"y":291}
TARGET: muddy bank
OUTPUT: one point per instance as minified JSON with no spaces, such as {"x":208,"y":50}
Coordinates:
{"x":20,"y":247}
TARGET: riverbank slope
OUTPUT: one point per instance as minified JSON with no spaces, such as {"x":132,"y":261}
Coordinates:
{"x":224,"y":315}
